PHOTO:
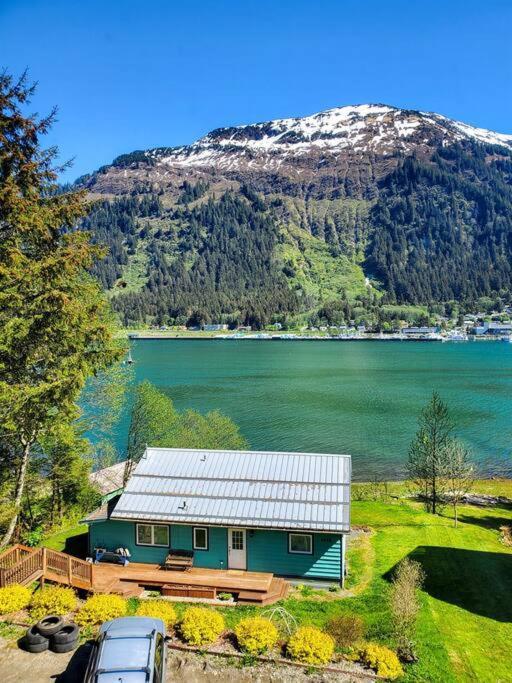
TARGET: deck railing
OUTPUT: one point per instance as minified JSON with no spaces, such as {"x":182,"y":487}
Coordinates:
{"x":21,"y":564}
{"x":30,"y":565}
{"x":13,"y":555}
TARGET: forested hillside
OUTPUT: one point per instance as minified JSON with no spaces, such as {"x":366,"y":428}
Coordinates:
{"x":224,"y":232}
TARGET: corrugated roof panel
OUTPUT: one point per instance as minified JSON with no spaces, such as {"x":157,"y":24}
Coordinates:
{"x":244,"y":488}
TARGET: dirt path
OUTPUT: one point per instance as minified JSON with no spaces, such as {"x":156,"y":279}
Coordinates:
{"x":17,"y":666}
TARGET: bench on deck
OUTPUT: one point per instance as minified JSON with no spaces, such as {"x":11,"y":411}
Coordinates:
{"x":179,"y":559}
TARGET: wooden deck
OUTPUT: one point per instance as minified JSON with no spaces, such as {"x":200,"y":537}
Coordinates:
{"x":248,"y":587}
{"x":23,"y":565}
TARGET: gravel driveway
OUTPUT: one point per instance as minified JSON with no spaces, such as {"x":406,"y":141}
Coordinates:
{"x":18,"y":666}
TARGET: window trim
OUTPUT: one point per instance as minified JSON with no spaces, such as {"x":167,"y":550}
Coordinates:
{"x":152,"y":544}
{"x":299,"y":552}
{"x":207,"y":534}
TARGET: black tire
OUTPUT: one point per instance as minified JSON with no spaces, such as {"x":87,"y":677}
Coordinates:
{"x":33,"y":637}
{"x":35,"y":648}
{"x":50,"y":625}
{"x":67,"y":634}
{"x":60,"y":648}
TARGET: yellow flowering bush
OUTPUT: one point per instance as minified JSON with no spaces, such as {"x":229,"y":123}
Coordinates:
{"x":382,"y":660}
{"x":309,"y":645}
{"x":13,"y":598}
{"x":52,"y":600}
{"x":100,"y":608}
{"x":201,"y":626}
{"x":158,"y":609}
{"x":256,"y":635}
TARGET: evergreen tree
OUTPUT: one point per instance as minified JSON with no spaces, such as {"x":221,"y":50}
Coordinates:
{"x":55,"y":325}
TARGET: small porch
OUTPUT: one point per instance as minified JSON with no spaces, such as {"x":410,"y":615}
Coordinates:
{"x":258,"y":588}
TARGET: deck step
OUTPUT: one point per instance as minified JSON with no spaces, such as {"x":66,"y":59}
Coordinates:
{"x":277,"y":590}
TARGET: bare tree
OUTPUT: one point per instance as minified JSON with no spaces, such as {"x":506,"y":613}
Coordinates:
{"x":427,"y":452}
{"x":459,"y":473}
{"x":404,"y":605}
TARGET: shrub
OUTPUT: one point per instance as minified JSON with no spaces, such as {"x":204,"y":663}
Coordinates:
{"x":346,"y":629}
{"x":382,"y":660}
{"x":309,"y":645}
{"x":52,"y":600}
{"x":403,"y":601}
{"x":13,"y":598}
{"x":100,"y":608}
{"x":201,"y":626}
{"x":159,"y":609}
{"x":255,"y":635}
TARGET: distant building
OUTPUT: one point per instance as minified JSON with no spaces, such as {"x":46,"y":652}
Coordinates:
{"x":493,"y":329}
{"x":419,"y":330}
{"x":216,"y":327}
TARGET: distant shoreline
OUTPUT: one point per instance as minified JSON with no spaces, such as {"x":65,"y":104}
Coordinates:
{"x":274,"y":337}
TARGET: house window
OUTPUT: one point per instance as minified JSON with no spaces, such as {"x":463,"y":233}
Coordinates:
{"x":153,"y":534}
{"x":301,"y":544}
{"x":200,"y":538}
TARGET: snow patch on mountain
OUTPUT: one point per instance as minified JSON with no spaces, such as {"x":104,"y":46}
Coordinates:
{"x":375,"y":128}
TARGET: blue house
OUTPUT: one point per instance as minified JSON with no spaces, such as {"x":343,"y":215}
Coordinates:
{"x":285,"y":513}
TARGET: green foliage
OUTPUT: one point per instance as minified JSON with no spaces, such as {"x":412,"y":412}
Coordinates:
{"x":213,"y":263}
{"x":427,"y":452}
{"x":155,"y":421}
{"x":14,"y":598}
{"x":160,"y":609}
{"x":346,"y":629}
{"x":100,"y":608}
{"x":382,"y":660}
{"x":52,"y":600}
{"x":201,"y":626}
{"x":441,"y":227}
{"x":56,"y":327}
{"x":310,"y":645}
{"x":192,"y":192}
{"x":255,"y":635}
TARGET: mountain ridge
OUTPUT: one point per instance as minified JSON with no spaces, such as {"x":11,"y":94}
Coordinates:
{"x":358,"y":194}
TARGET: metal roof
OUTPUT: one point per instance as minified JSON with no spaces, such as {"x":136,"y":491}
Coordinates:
{"x":275,"y":490}
{"x":109,"y":479}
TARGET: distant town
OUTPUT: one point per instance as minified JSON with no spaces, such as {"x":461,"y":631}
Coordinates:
{"x":473,"y":327}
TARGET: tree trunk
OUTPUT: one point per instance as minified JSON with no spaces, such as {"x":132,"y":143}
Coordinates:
{"x":455,"y":513}
{"x":18,"y":493}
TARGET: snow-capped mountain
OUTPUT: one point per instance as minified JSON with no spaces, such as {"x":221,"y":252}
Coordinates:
{"x":290,"y":214}
{"x":359,"y":144}
{"x":364,"y":128}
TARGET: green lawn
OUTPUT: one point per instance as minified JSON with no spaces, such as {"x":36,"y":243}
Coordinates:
{"x":465,"y":625}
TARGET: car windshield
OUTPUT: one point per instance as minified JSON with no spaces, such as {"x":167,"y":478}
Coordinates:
{"x":120,"y":653}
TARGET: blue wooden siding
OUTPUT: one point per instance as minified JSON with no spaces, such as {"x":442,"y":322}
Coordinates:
{"x":267,"y":551}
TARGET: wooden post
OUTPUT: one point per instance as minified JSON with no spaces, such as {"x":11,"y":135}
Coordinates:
{"x":2,"y":577}
{"x":70,"y":571}
{"x":92,"y":575}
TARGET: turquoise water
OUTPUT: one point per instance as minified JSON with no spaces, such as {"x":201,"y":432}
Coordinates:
{"x":361,"y":398}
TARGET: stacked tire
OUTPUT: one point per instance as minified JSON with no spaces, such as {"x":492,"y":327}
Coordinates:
{"x":51,"y":633}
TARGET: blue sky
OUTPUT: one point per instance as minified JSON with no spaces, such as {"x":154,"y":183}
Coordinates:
{"x":131,"y":75}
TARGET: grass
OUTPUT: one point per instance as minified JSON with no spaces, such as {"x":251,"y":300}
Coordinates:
{"x":68,"y":539}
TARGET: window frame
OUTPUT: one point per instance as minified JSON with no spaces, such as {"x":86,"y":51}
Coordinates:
{"x":300,"y":552}
{"x":152,"y":544}
{"x":207,"y":538}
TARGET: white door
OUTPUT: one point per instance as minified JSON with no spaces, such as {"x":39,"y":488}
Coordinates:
{"x":237,"y":553}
